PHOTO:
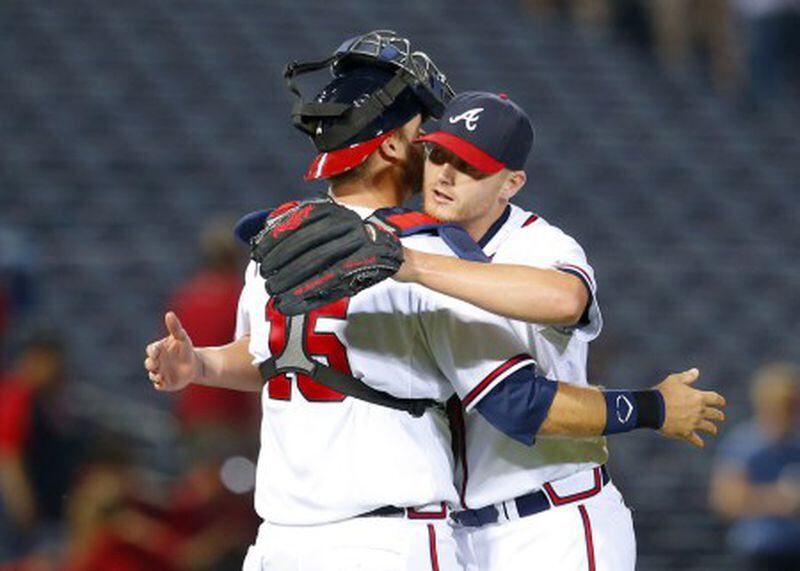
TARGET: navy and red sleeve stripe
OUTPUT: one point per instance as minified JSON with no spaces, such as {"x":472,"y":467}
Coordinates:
{"x":530,"y":220}
{"x":489,"y":379}
{"x":578,"y":272}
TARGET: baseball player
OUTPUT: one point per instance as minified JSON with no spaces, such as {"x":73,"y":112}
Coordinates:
{"x":552,"y":504}
{"x":501,"y":479}
{"x":359,"y":476}
{"x":342,"y":482}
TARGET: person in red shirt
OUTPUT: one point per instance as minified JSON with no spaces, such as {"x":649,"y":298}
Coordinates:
{"x":108,"y":521}
{"x":206,"y":305}
{"x":37,"y":449}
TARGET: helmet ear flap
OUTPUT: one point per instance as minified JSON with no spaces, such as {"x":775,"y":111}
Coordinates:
{"x":301,"y":121}
{"x":307,"y":117}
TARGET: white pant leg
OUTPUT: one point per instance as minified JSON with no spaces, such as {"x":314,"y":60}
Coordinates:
{"x":594,"y":535}
{"x":252,"y":559}
{"x":360,"y":544}
{"x":464,"y":549}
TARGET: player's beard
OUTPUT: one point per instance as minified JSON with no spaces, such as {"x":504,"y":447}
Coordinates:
{"x":453,"y":212}
{"x":415,"y":166}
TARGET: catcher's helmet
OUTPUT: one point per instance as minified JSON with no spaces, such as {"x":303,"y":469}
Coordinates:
{"x":378,"y":85}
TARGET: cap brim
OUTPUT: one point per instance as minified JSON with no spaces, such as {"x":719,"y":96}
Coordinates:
{"x":464,"y":150}
{"x":339,"y":161}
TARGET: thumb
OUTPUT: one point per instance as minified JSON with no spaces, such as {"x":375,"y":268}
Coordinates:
{"x":690,"y":376}
{"x":174,"y":327}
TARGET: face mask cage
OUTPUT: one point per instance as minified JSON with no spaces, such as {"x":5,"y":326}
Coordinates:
{"x":385,"y":47}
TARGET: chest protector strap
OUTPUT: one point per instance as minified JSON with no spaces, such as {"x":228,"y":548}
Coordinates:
{"x":294,"y":359}
{"x":407,"y":222}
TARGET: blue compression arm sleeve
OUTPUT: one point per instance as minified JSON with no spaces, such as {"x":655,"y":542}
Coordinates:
{"x":518,"y":405}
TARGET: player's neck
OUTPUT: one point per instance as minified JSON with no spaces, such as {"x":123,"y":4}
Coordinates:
{"x":478,"y":227}
{"x":371,"y":192}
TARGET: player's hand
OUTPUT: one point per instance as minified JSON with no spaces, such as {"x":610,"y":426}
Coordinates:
{"x":172,"y":362}
{"x":689,"y":411}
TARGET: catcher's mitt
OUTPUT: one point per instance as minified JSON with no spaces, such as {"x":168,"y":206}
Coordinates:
{"x":315,"y":252}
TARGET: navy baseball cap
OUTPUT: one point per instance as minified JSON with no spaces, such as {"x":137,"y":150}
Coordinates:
{"x":488,"y":131}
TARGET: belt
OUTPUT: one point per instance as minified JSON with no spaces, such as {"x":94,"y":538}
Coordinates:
{"x":410,"y":513}
{"x":529,"y":504}
{"x":385,"y":511}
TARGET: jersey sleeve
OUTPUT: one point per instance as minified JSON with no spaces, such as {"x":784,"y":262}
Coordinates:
{"x":242,"y":316}
{"x":544,"y":246}
{"x":474,"y":349}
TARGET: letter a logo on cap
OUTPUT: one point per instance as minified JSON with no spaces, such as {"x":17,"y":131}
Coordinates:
{"x":470,"y":118}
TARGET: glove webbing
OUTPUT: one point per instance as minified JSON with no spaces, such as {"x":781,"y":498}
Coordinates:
{"x":291,"y":362}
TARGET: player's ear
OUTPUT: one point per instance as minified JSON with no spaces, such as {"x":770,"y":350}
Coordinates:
{"x":391,"y":148}
{"x":514,"y":182}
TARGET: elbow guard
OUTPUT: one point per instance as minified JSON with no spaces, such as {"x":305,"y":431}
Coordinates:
{"x":519,"y":404}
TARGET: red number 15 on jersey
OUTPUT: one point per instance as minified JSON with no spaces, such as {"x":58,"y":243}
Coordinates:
{"x":317,"y":344}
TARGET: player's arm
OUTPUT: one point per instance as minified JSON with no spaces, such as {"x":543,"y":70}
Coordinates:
{"x":535,"y":295}
{"x":526,"y":405}
{"x":173,"y":363}
{"x":673,"y":407}
{"x":472,"y":349}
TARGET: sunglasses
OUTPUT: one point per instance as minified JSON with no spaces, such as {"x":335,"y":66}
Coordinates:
{"x":439,"y":155}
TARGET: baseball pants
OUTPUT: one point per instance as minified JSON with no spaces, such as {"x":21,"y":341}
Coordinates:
{"x":358,"y":544}
{"x":592,"y":535}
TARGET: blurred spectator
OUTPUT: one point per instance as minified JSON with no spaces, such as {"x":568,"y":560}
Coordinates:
{"x":200,"y":526}
{"x":630,"y":21}
{"x":772,"y":31}
{"x":587,"y":11}
{"x":756,"y":483}
{"x":678,"y":33}
{"x":215,"y":524}
{"x":5,"y":310}
{"x":16,"y":282}
{"x":206,"y":305}
{"x":38,"y":450}
{"x":686,"y":32}
{"x":106,"y":529}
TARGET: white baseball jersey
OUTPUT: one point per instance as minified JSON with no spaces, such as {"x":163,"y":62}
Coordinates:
{"x":325,"y":457}
{"x":498,"y":468}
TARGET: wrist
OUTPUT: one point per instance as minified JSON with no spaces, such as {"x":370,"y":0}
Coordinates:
{"x":409,"y":269}
{"x":631,"y":410}
{"x":201,"y":376}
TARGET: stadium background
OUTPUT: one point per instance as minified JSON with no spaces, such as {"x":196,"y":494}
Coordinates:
{"x":125,"y":126}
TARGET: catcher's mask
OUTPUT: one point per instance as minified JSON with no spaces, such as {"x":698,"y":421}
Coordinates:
{"x":379,"y":84}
